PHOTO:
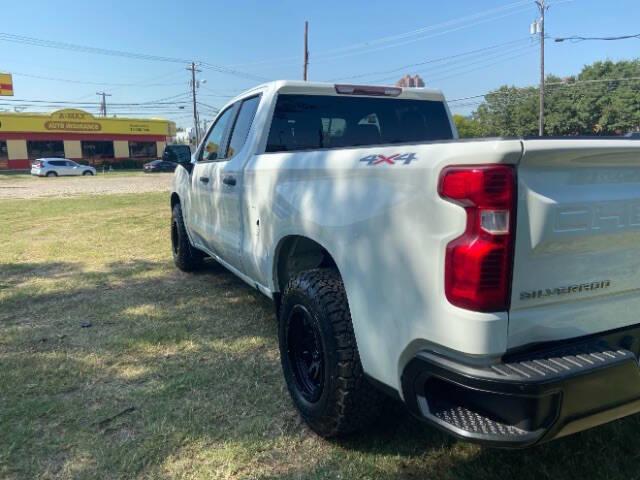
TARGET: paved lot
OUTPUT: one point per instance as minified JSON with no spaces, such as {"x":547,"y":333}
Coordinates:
{"x":24,"y":186}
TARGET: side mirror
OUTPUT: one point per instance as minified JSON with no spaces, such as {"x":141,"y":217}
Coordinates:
{"x":169,"y":156}
{"x":178,"y":154}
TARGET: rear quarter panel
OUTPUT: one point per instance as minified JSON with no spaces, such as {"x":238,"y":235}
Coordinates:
{"x":386,"y":227}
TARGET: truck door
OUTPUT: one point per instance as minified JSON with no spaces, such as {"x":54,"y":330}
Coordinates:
{"x":229,"y":185}
{"x":204,"y":214}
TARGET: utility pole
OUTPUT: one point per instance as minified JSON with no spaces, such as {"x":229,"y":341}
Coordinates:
{"x":542,"y":6}
{"x":193,"y":69}
{"x":306,"y":51}
{"x":103,"y":103}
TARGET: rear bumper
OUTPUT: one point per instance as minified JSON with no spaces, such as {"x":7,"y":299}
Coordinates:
{"x":531,"y":397}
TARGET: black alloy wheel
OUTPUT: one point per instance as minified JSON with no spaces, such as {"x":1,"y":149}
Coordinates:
{"x":319,"y":355}
{"x":306,"y":355}
{"x":175,"y":242}
{"x":186,"y":257}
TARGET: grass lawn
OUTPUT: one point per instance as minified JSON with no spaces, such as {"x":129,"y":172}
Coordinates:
{"x":115,"y":365}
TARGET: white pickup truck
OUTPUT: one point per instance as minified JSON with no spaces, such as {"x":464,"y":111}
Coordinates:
{"x":492,"y":285}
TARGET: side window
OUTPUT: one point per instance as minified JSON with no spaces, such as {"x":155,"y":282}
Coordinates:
{"x":212,"y":144}
{"x":243,"y":125}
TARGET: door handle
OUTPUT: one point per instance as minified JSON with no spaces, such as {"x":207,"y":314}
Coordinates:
{"x":204,"y":179}
{"x":229,"y":180}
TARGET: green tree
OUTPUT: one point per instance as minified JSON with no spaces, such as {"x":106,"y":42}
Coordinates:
{"x":603,"y":99}
{"x":468,"y":127}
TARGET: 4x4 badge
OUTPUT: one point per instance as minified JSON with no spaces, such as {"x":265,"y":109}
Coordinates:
{"x":379,"y":159}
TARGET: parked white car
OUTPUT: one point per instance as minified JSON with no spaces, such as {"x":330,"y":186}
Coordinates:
{"x":492,"y":285}
{"x":59,"y":167}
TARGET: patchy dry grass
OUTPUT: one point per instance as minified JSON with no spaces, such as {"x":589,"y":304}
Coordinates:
{"x":22,"y":175}
{"x":95,"y":321}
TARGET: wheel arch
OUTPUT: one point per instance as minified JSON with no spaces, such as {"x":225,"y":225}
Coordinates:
{"x":175,"y":199}
{"x":294,"y":254}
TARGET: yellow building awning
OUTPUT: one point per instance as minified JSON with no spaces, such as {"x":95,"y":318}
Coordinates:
{"x":81,"y":122}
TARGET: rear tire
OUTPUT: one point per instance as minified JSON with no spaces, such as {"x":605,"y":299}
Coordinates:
{"x":51,"y":174}
{"x":319,"y":356}
{"x":186,"y":257}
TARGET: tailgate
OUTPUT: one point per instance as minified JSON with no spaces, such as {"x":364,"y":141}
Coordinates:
{"x":577,"y":253}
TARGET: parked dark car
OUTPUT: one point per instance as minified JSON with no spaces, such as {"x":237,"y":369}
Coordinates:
{"x":159,"y":166}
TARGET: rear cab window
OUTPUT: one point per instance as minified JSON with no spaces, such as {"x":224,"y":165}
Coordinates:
{"x":308,"y":122}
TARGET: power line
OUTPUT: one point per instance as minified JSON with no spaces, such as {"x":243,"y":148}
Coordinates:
{"x":142,"y":83}
{"x":429,"y":28}
{"x":112,"y":111}
{"x":21,"y":39}
{"x":506,"y":97}
{"x":84,"y":82}
{"x":551,"y":84}
{"x":439,"y":71}
{"x":430,"y":61}
{"x":216,"y":93}
{"x":500,"y":59}
{"x":172,"y":97}
{"x":67,"y":102}
{"x":404,"y":37}
{"x":517,"y":6}
{"x":206,"y":105}
{"x":423,"y":37}
{"x":606,"y":39}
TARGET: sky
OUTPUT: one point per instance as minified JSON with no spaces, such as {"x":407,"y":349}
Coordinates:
{"x":464,"y":47}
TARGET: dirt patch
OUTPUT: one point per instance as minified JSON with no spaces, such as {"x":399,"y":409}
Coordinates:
{"x":101,"y":184}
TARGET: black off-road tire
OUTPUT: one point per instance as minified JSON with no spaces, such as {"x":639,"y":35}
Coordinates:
{"x":51,"y":174}
{"x":186,"y":257}
{"x":346,"y":402}
{"x":87,"y":172}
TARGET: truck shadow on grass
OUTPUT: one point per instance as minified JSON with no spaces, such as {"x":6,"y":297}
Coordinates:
{"x":608,"y":451}
{"x":135,"y":368}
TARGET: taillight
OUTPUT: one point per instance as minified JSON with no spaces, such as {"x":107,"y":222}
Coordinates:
{"x":478,"y":263}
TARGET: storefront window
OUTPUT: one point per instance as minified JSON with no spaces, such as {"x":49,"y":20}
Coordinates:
{"x":97,"y":150}
{"x":4,"y":155}
{"x":45,"y":149}
{"x":143,"y":150}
